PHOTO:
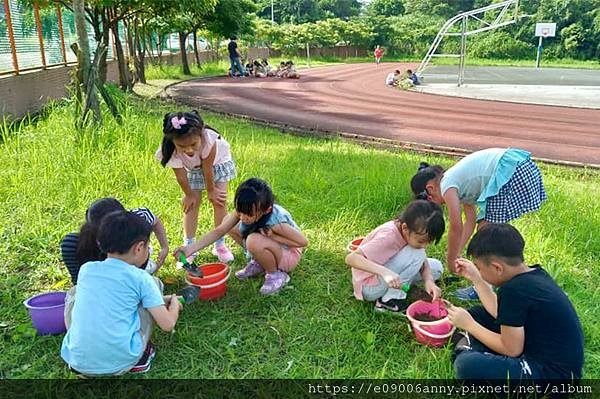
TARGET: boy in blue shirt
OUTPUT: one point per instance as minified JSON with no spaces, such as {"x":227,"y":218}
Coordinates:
{"x":110,"y":320}
{"x":529,"y":331}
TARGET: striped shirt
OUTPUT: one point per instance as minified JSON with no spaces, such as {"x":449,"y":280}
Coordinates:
{"x":68,"y":245}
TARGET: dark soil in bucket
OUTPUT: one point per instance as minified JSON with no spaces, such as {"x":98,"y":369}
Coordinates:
{"x":417,"y":293}
{"x":426,"y":317}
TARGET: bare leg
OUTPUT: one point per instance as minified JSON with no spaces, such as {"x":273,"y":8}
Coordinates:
{"x":266,"y":251}
{"x":190,"y":219}
{"x":220,"y":211}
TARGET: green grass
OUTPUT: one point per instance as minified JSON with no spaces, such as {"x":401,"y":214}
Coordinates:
{"x":335,"y":190}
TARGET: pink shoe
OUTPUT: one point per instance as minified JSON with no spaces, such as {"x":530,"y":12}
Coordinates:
{"x":223,"y":253}
{"x":252,"y":269}
{"x":274,"y":282}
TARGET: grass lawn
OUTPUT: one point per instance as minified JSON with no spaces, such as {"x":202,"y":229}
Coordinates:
{"x":335,"y":190}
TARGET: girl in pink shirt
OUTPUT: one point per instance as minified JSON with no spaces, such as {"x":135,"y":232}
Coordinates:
{"x":394,"y":254}
{"x":201,"y":160}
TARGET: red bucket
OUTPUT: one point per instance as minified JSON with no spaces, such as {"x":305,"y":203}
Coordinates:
{"x":353,"y":245}
{"x":214,"y":283}
{"x":433,"y":333}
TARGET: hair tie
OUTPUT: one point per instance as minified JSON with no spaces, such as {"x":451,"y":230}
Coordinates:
{"x":422,"y":166}
{"x":423,"y":195}
{"x":178,"y":122}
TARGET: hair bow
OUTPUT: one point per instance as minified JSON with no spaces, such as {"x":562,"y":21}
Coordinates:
{"x":178,"y":122}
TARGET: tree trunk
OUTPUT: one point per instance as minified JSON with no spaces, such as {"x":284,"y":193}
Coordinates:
{"x":131,"y":49}
{"x":184,"y":61}
{"x":104,"y":39}
{"x":89,"y":89}
{"x":139,"y":55}
{"x":124,"y":80}
{"x":196,"y":49}
{"x":159,"y":48}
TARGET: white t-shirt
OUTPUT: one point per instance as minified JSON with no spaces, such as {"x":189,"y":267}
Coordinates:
{"x":391,"y":78}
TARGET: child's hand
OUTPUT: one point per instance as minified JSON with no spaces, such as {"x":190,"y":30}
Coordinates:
{"x":267,"y":232}
{"x":467,"y":269}
{"x":392,"y":279}
{"x":162,"y":256}
{"x":183,"y":249}
{"x":188,"y":202}
{"x":433,"y":290}
{"x":217,"y":197}
{"x":459,"y":317}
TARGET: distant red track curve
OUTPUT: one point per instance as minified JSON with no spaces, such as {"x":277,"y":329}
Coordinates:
{"x":354,"y":99}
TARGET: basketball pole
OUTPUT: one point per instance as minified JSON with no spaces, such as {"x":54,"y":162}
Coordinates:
{"x":538,"y":59}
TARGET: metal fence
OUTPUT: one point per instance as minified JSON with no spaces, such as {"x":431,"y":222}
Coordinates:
{"x":33,"y":37}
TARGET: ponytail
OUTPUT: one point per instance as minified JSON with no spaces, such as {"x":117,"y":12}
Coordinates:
{"x":167,"y":148}
{"x":87,"y":247}
{"x":424,"y":174}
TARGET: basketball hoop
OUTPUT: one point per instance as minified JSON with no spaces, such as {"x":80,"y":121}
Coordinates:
{"x":545,"y":32}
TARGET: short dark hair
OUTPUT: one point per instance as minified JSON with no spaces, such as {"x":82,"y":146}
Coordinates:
{"x":424,"y":174}
{"x":254,"y":194}
{"x":424,"y":217}
{"x":397,"y":71}
{"x":498,"y":240}
{"x":120,"y":230}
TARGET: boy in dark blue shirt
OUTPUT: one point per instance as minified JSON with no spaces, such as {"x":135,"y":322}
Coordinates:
{"x":530,"y":330}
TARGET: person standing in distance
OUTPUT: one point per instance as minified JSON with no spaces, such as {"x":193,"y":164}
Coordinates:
{"x":234,"y":57}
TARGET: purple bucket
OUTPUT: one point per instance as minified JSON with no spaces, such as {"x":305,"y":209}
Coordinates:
{"x":47,"y":312}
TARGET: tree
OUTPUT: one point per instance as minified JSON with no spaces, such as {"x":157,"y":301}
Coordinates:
{"x":386,"y":8}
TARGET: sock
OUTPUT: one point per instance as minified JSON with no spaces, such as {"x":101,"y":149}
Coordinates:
{"x":220,"y":241}
{"x":188,"y":241}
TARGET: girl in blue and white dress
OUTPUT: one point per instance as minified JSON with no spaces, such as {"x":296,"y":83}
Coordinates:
{"x":495,"y":185}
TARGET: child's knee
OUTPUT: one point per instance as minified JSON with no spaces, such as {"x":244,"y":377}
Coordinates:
{"x":436,"y":268}
{"x":467,"y":365}
{"x":255,"y":242}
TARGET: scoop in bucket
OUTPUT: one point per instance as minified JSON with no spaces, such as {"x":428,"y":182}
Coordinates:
{"x":191,"y":268}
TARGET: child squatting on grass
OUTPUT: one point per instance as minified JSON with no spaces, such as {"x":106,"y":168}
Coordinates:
{"x":266,"y":230}
{"x":504,"y":183}
{"x":79,"y":248}
{"x":394,"y":253}
{"x":109,"y":321}
{"x":201,"y":160}
{"x":529,"y":330}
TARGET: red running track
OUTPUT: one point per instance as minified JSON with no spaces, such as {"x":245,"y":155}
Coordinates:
{"x":354,"y":99}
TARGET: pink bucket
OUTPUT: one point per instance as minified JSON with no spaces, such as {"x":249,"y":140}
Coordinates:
{"x":433,"y":333}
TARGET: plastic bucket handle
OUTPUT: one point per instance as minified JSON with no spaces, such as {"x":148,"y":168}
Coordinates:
{"x":432,"y":335}
{"x":213,"y":285}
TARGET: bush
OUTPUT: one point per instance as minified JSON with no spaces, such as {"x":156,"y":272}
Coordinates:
{"x":500,"y":45}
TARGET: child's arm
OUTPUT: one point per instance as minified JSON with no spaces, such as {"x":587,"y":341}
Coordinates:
{"x":283,"y":233}
{"x":182,"y":179}
{"x":216,"y":198}
{"x":469,"y":224}
{"x":430,"y":285}
{"x":510,"y":341}
{"x":456,"y":227}
{"x":358,"y":261}
{"x":161,"y":236}
{"x":487,"y":296}
{"x":166,"y":315}
{"x":228,"y":223}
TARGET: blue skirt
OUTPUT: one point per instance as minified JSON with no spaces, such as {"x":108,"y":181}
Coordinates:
{"x":524,"y":192}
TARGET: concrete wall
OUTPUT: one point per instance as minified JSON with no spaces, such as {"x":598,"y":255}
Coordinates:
{"x":29,"y":91}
